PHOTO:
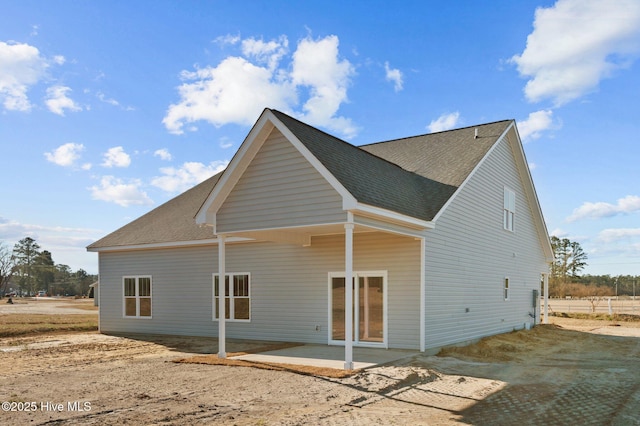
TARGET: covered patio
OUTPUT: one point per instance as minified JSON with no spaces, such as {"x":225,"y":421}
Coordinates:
{"x":346,"y":354}
{"x":324,"y":356}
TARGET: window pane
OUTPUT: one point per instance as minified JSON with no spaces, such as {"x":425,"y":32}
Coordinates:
{"x":130,"y":306}
{"x":129,"y":287}
{"x":506,"y":288}
{"x":216,"y":281}
{"x":226,"y":308}
{"x":337,"y":308}
{"x":241,"y":306}
{"x":371,"y":308}
{"x":241,"y":285}
{"x":145,"y":306}
{"x":144,"y":286}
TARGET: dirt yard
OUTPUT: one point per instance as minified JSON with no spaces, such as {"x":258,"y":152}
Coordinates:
{"x":574,"y":372}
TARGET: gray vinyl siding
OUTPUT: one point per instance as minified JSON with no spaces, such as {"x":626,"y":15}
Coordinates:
{"x":468,"y":255}
{"x":279,"y":189}
{"x":289,"y":287}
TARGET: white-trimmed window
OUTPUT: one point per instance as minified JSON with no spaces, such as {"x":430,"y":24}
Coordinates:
{"x":509,"y":209}
{"x":506,"y":288}
{"x":137,"y":296}
{"x":237,"y":295}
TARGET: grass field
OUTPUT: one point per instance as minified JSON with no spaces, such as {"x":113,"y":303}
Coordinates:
{"x":14,"y":325}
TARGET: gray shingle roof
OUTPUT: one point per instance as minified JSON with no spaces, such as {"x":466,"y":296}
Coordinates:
{"x":446,"y":157}
{"x":173,"y":221}
{"x":369,"y":178}
{"x":414,"y":176}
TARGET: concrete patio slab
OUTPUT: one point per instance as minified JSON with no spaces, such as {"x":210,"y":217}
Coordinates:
{"x":328,"y":356}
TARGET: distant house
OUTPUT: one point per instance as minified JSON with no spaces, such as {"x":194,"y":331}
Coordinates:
{"x":94,"y":292}
{"x":441,"y":236}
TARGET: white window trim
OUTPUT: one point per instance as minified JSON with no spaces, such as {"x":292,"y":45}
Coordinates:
{"x":137,"y":297}
{"x":385,"y":319}
{"x":509,"y":209}
{"x":506,"y":287}
{"x":231,"y":296}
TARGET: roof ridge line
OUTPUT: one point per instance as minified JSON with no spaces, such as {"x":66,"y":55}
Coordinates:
{"x":436,"y":133}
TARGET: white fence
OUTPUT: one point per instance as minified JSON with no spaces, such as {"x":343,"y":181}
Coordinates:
{"x":618,"y":306}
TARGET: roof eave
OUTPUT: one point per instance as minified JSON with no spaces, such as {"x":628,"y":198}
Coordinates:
{"x":163,"y":245}
{"x":391,"y":216}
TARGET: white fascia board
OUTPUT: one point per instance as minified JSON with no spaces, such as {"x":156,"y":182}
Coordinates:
{"x":238,"y":164}
{"x":395,"y":217}
{"x":348,"y":200}
{"x":173,"y":244}
{"x":530,"y":189}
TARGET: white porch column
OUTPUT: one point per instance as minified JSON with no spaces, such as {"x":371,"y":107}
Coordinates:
{"x":222,"y":353}
{"x":546,"y":298}
{"x":423,"y":294}
{"x":348,"y":297}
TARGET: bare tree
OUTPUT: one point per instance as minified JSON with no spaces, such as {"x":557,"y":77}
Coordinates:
{"x":7,"y":267}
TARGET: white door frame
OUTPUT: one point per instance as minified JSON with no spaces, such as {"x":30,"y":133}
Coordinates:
{"x":356,"y":323}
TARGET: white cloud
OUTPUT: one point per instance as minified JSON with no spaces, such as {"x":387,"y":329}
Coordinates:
{"x":558,"y":232}
{"x":114,"y":190}
{"x":67,"y":244}
{"x":617,"y":234}
{"x":21,"y":66}
{"x":626,"y":205}
{"x":225,"y":142}
{"x":316,"y":65}
{"x":110,"y":101}
{"x":575,"y":44}
{"x":444,"y":122}
{"x":65,"y":155}
{"x":12,"y":230}
{"x":57,"y":100}
{"x":227,"y":39}
{"x":237,"y":89}
{"x":116,"y":157}
{"x":269,"y":53}
{"x":394,"y":75}
{"x":535,"y":124}
{"x":103,"y":98}
{"x":163,"y":153}
{"x":190,"y":174}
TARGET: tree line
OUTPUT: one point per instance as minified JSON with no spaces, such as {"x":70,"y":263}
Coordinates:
{"x":26,"y":270}
{"x":565,"y":278}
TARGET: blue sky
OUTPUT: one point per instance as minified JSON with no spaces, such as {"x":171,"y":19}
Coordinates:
{"x":110,"y":108}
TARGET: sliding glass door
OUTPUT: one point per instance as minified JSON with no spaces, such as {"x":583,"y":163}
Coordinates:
{"x":368,"y":308}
